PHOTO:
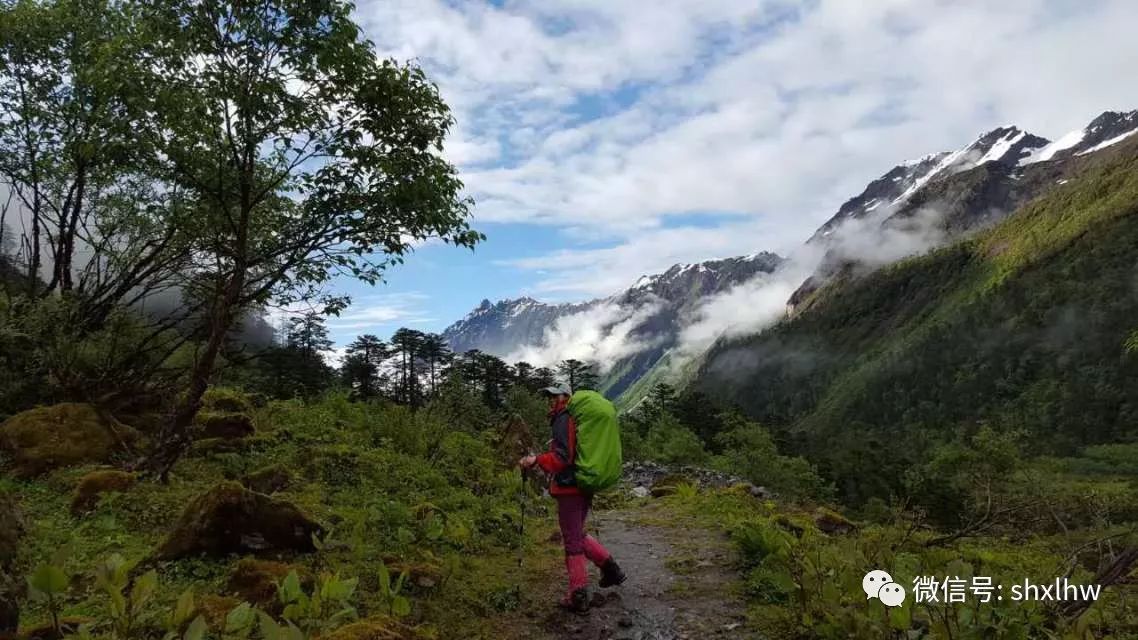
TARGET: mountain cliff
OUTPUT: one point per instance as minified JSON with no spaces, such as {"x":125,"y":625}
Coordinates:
{"x":640,"y":324}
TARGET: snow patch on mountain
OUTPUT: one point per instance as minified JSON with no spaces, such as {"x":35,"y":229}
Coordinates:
{"x":1107,"y":143}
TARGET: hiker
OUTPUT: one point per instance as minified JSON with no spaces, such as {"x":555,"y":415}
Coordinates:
{"x":572,"y":504}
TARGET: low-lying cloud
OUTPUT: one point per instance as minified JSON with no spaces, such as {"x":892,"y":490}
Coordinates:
{"x":752,"y":306}
{"x":602,"y":334}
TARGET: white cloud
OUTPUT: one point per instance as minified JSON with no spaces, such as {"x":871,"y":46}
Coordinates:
{"x":776,"y":111}
{"x":369,"y":313}
{"x":601,"y":334}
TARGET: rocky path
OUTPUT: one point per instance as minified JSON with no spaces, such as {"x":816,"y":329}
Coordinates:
{"x":682,"y":584}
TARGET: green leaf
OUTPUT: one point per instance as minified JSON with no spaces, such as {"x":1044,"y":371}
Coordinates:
{"x":384,"y":579}
{"x":196,"y":630}
{"x":401,"y":606}
{"x":289,"y":590}
{"x":240,"y":620}
{"x":48,"y":579}
{"x":143,"y":589}
{"x":270,"y":630}
{"x":183,"y":609}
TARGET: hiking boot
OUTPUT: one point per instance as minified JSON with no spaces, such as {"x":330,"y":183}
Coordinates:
{"x":577,"y":601}
{"x":611,"y":574}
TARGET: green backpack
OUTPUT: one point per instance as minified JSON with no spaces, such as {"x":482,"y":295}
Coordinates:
{"x":599,"y":459}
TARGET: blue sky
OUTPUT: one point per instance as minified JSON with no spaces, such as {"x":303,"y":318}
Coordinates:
{"x":604,"y":139}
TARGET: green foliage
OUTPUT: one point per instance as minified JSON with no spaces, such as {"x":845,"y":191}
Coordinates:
{"x":1019,"y":327}
{"x":670,"y":442}
{"x":750,"y":452}
{"x":47,"y":355}
{"x":391,"y":592}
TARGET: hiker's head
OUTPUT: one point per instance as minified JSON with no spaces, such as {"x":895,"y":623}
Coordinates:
{"x":557,"y":394}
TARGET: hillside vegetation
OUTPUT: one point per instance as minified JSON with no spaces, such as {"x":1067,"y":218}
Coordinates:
{"x":1021,"y":328}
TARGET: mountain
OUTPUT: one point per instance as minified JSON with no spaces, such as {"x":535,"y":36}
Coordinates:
{"x":916,"y":206}
{"x":948,"y":195}
{"x":650,"y":314}
{"x":1019,"y":325}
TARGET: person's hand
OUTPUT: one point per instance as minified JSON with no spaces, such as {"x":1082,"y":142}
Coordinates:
{"x":527,"y":462}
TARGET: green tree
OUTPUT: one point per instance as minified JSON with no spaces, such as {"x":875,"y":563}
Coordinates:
{"x":578,"y":374}
{"x":361,"y":367}
{"x":306,"y":156}
{"x":408,"y":345}
{"x":437,"y":354}
{"x":308,"y":334}
{"x":102,"y":220}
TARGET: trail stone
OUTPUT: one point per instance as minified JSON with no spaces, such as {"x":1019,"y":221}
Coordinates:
{"x":231,"y":519}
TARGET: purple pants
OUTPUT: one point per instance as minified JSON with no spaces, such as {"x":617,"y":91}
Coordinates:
{"x":572,"y":511}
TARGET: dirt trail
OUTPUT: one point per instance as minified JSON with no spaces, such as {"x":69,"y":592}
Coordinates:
{"x":681,"y":584}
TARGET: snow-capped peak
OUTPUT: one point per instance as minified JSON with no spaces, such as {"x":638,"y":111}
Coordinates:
{"x":1045,"y":153}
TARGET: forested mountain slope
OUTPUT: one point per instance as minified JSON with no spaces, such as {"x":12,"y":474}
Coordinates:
{"x":1021,"y":327}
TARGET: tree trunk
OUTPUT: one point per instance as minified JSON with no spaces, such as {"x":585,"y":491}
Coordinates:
{"x":176,"y":438}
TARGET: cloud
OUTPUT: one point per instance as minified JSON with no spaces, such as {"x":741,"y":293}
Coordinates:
{"x":600,"y":334}
{"x":598,"y":272}
{"x":372,"y":312}
{"x":611,"y":118}
{"x":752,"y":306}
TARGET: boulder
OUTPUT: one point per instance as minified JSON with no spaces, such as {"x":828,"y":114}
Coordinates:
{"x":224,"y":425}
{"x":255,"y":581}
{"x":268,"y":480}
{"x":62,"y":435}
{"x":95,"y":484}
{"x":832,"y":522}
{"x":231,"y":519}
{"x":640,"y":492}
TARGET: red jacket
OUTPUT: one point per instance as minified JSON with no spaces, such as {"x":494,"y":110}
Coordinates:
{"x":559,"y":461}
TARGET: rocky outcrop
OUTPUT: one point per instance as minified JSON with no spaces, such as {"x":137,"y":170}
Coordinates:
{"x":231,"y":519}
{"x":62,"y":435}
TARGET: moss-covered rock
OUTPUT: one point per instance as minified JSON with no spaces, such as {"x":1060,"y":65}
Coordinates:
{"x":214,"y":609}
{"x":46,"y":438}
{"x":255,"y":581}
{"x":226,"y":400}
{"x":377,"y":628}
{"x":211,"y":446}
{"x":95,"y":484}
{"x":832,"y":522}
{"x":231,"y":519}
{"x":268,"y":480}
{"x":214,"y":424}
{"x":666,"y":486}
